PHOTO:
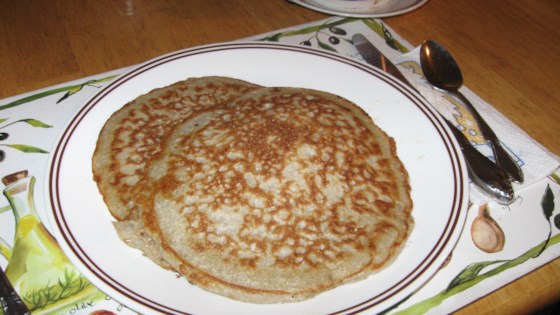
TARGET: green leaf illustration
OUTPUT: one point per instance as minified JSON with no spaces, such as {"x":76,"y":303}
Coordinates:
{"x":470,"y":272}
{"x":73,"y":90}
{"x":30,"y":121}
{"x":273,"y":38}
{"x":428,"y":304}
{"x":5,"y":208}
{"x":325,"y":46}
{"x":25,"y":148}
{"x":37,"y":96}
{"x":36,"y":123}
{"x":306,"y":30}
{"x":381,"y":31}
{"x":33,"y":97}
{"x":547,"y":203}
{"x":555,"y":178}
{"x":472,"y":275}
{"x":71,"y":285}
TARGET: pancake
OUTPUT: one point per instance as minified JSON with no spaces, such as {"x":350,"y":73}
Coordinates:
{"x":276,"y":196}
{"x":137,"y":132}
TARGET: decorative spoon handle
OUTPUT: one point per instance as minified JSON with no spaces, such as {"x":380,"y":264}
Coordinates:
{"x":503,"y":159}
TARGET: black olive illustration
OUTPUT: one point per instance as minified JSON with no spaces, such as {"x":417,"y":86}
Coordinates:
{"x":334,"y":40}
{"x":337,"y":30}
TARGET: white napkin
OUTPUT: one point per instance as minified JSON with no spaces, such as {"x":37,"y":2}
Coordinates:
{"x":536,"y":161}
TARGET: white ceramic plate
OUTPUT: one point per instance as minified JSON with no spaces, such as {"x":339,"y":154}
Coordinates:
{"x":362,"y":8}
{"x":437,"y":173}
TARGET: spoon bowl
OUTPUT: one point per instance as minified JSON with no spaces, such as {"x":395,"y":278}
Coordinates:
{"x":438,"y":64}
{"x":441,"y":70}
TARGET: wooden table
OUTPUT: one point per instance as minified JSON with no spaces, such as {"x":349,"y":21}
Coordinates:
{"x":508,"y":50}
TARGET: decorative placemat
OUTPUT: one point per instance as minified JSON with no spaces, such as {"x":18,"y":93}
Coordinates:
{"x":490,"y":253}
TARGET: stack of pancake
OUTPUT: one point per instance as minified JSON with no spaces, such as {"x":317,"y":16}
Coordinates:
{"x":260,"y":194}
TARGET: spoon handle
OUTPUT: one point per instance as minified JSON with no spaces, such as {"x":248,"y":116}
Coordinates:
{"x":503,"y":159}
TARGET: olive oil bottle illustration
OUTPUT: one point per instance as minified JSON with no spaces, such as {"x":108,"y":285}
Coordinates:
{"x":45,"y":279}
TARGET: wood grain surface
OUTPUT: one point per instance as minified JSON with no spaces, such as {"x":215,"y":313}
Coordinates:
{"x":509,"y":52}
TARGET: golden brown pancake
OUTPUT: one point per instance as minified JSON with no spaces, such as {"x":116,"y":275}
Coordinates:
{"x":276,"y":196}
{"x":264,"y":195}
{"x":136,"y":133}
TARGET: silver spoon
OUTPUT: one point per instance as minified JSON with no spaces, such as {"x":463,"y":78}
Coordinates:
{"x":441,"y":70}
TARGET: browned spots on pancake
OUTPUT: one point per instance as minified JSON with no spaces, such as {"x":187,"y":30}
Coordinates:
{"x":240,"y":186}
{"x":245,"y":156}
{"x":137,"y":133}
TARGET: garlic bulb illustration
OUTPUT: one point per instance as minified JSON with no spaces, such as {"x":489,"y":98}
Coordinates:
{"x":486,"y":233}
